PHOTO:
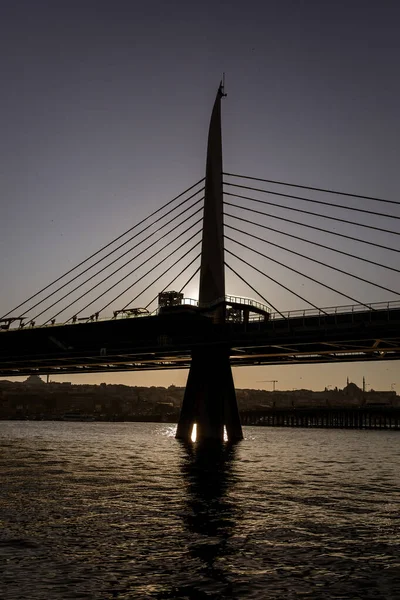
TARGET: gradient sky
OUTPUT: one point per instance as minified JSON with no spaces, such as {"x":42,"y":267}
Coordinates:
{"x":104,"y":113}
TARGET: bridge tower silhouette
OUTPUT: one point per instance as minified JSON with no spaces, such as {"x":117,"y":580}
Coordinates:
{"x":210,"y":399}
{"x":218,"y":332}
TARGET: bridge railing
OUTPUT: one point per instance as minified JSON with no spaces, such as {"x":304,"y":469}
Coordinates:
{"x":238,"y":300}
{"x":247,"y":302}
{"x":274,"y":317}
{"x":332,"y":310}
{"x":190,"y":302}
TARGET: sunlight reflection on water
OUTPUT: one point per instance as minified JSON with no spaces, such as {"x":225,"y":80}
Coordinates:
{"x":123,"y":510}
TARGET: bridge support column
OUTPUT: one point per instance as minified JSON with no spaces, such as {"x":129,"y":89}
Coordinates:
{"x":210,"y":398}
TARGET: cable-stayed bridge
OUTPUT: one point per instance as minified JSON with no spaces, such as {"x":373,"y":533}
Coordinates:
{"x":312,"y":276}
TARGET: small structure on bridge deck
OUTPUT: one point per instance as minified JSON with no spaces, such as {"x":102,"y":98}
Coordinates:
{"x":234,"y":308}
{"x":210,"y":399}
{"x":5,"y":323}
{"x":172,"y":298}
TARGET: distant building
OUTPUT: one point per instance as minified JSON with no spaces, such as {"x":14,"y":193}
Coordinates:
{"x":34,"y":381}
{"x":353,"y":391}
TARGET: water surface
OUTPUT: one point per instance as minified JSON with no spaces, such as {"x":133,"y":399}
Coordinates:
{"x":123,"y":510}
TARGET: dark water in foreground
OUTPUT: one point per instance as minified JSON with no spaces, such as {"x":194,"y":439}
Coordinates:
{"x":122,"y":510}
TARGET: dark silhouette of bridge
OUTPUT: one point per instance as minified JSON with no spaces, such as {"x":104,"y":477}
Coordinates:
{"x":49,"y":334}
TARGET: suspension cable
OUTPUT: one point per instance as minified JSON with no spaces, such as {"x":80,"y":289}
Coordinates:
{"x":348,"y":237}
{"x":173,"y":280}
{"x":114,"y":273}
{"x":140,"y":278}
{"x":301,"y":198}
{"x":296,"y":237}
{"x":324,"y":264}
{"x":295,"y":271}
{"x":162,"y":275}
{"x":118,"y":258}
{"x":252,"y":288}
{"x":307,"y":212}
{"x":284,"y":287}
{"x":315,"y":189}
{"x":189,"y":280}
{"x":112,"y":242}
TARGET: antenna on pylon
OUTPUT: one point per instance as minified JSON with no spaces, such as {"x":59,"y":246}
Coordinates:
{"x":222,"y":86}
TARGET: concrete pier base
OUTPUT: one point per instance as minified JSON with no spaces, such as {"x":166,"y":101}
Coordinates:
{"x":210,"y":398}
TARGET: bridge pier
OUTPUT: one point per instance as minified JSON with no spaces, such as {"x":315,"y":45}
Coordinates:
{"x":210,"y":399}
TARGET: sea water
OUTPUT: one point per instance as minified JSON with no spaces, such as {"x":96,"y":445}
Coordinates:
{"x":123,"y":510}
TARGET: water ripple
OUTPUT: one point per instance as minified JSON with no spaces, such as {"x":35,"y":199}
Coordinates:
{"x":104,"y":511}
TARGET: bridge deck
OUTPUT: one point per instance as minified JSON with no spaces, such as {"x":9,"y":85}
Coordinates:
{"x":166,"y":342}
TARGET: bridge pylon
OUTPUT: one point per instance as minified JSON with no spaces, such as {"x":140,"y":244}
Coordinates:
{"x":210,"y":399}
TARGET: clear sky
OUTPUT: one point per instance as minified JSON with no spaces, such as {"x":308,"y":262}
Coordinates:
{"x":104,"y":112}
